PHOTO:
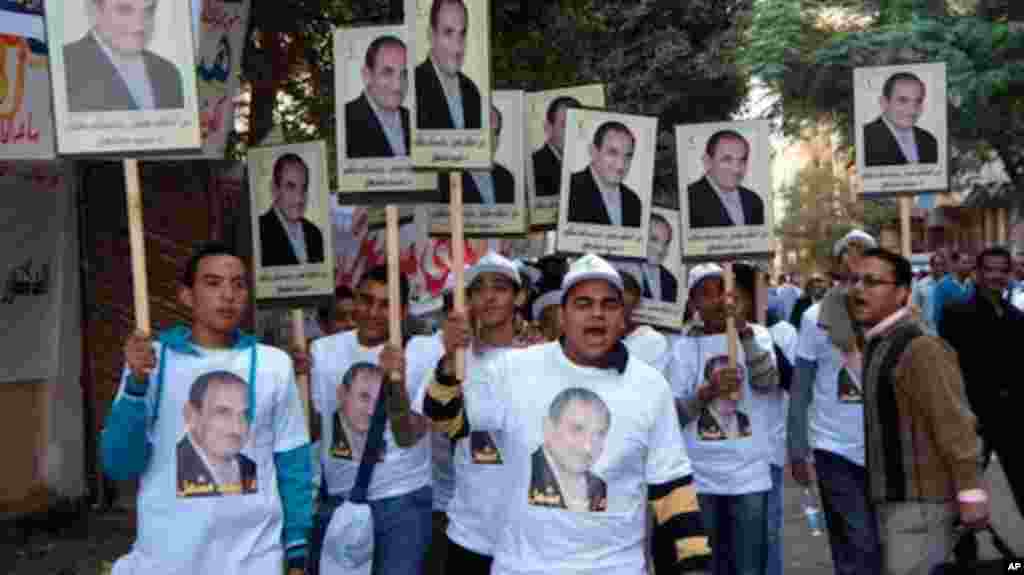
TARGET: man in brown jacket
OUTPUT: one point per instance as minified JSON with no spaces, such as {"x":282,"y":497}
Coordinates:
{"x":922,"y":448}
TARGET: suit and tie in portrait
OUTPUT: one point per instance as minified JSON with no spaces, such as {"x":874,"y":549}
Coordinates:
{"x":547,"y":163}
{"x":109,"y":68}
{"x":667,"y":283}
{"x":901,"y":104}
{"x":449,"y":22}
{"x":195,"y":479}
{"x":586,"y":206}
{"x":707,"y":211}
{"x":545,"y":490}
{"x":367,"y":138}
{"x":503,"y":181}
{"x":276,"y":249}
{"x":882,"y":149}
{"x":290,"y":190}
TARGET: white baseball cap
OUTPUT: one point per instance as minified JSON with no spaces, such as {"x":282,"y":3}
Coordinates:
{"x":591,"y":267}
{"x":701,"y":272}
{"x":495,"y":263}
{"x":859,"y":236}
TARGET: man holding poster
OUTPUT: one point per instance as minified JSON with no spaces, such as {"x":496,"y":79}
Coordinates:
{"x":110,"y":69}
{"x":447,"y":99}
{"x":597,"y":194}
{"x":377,"y":115}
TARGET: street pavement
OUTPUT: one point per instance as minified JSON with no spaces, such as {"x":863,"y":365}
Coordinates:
{"x":807,"y":555}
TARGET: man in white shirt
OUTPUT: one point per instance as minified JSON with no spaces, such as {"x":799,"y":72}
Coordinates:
{"x":399,"y":492}
{"x":643,"y":458}
{"x":286,"y":237}
{"x":110,"y":69}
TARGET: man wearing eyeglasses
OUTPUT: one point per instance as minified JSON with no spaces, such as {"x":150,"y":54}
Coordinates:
{"x":110,"y":69}
{"x":922,"y":448}
{"x":826,"y":416}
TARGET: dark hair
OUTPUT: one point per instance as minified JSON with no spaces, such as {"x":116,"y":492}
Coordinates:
{"x":356,"y":369}
{"x":585,"y":395}
{"x":656,"y":217}
{"x":501,"y":119}
{"x":612,"y":126}
{"x":993,"y":252}
{"x":197,"y":393}
{"x":629,"y":284}
{"x":746,"y":280}
{"x":435,"y":11}
{"x":902,"y":271}
{"x":900,"y":77}
{"x":326,"y":311}
{"x":204,"y":250}
{"x":293,"y":160}
{"x":376,"y":45}
{"x":712,"y":144}
{"x":560,"y":102}
{"x":379,"y":274}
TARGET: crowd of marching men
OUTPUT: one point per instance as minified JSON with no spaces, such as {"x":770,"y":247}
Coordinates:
{"x":540,"y":430}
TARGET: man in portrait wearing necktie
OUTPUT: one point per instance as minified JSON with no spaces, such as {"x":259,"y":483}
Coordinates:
{"x":287,"y":238}
{"x":718,"y":199}
{"x":597,"y":194}
{"x":376,"y":121}
{"x":658,"y":282}
{"x":893,"y":138}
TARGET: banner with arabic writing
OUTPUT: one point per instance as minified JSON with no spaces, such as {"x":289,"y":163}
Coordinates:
{"x":34,"y":240}
{"x":26,"y":120}
{"x":221,"y":36}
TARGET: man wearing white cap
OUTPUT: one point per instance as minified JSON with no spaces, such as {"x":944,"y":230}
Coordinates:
{"x":643,"y":341}
{"x":726,"y":427}
{"x":826,"y":408}
{"x":596,"y":422}
{"x":495,"y":293}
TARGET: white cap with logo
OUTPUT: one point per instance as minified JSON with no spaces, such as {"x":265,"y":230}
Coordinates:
{"x":591,"y":267}
{"x":493,"y":262}
{"x":701,"y":272}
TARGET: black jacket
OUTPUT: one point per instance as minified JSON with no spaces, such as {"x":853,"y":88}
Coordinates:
{"x":707,"y":211}
{"x":586,"y":206}
{"x":364,"y":135}
{"x":504,"y":187}
{"x":669,"y":286}
{"x":432,"y":107}
{"x":276,"y":249}
{"x":882,"y":149}
{"x":95,"y":85}
{"x":547,"y":172}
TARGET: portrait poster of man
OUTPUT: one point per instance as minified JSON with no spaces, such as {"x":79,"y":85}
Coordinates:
{"x":357,"y":398}
{"x":725,"y":183}
{"x":375,"y":116}
{"x":607,"y":176}
{"x":545,"y":129}
{"x":722,"y":419}
{"x":210,"y":457}
{"x":900,"y":118}
{"x":451,"y":81}
{"x":292,"y":234}
{"x":122,"y":74}
{"x":494,"y":200}
{"x":660,"y":275}
{"x":575,"y":429}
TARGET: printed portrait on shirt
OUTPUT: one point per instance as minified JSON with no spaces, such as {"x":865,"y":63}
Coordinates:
{"x":722,"y":419}
{"x":217,"y":428}
{"x":483,"y":449}
{"x":575,"y":428}
{"x":848,"y":389}
{"x":357,"y":398}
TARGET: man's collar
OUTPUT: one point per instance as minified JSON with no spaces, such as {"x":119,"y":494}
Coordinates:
{"x":377,"y":110}
{"x":887,"y":323}
{"x":597,"y":182}
{"x":554,"y":151}
{"x":297,"y":226}
{"x":115,"y":56}
{"x":179,"y":339}
{"x":617,"y":358}
{"x":894,"y":129}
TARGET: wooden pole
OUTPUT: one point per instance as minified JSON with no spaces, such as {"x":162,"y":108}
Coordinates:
{"x":762,"y":298}
{"x":1002,"y":223}
{"x":299,"y":343}
{"x":730,"y":325}
{"x":906,"y":202}
{"x":394,"y":281}
{"x":137,"y":242}
{"x":458,"y":260}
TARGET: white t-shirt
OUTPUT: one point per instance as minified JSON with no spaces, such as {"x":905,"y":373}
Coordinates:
{"x":649,"y":345}
{"x":475,"y":510}
{"x":836,"y":419}
{"x":785,"y":336}
{"x":730,"y":453}
{"x":402,"y":470}
{"x":187,"y":523}
{"x":641,"y":445}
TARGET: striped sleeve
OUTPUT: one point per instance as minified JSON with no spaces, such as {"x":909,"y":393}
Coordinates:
{"x":444,"y":405}
{"x":680,"y":543}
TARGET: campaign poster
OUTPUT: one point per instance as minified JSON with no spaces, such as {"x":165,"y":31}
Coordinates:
{"x":607,"y":178}
{"x":452,"y":83}
{"x":376,"y":111}
{"x":901,"y":134}
{"x":661,"y":276}
{"x":291,"y":224}
{"x":494,"y":200}
{"x":725,"y":183}
{"x":545,"y":132}
{"x":122,"y":75}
